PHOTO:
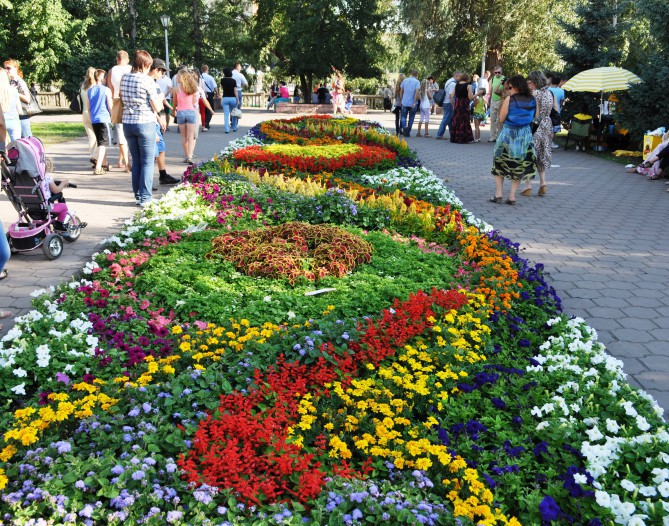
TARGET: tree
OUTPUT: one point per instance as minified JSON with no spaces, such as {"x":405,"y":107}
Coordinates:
{"x":444,"y":35}
{"x":643,"y":106}
{"x":600,"y":35}
{"x":307,"y":38}
{"x":39,"y":34}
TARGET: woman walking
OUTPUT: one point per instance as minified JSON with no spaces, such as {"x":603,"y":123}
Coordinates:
{"x":514,"y":156}
{"x":543,"y":136}
{"x":141,"y":106}
{"x":461,"y":128}
{"x":16,"y":79}
{"x":186,"y":109}
{"x":89,"y":82}
{"x":397,"y":97}
{"x":425,"y":105}
{"x":11,"y":104}
{"x":229,"y":101}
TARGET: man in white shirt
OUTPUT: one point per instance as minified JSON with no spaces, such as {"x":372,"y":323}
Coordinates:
{"x":409,"y":92}
{"x":240,"y":79}
{"x":449,"y":88}
{"x":165,"y":83}
{"x":210,"y":88}
{"x":121,"y":68}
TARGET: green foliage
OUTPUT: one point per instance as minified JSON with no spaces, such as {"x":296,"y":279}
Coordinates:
{"x":600,"y":34}
{"x":214,"y":290}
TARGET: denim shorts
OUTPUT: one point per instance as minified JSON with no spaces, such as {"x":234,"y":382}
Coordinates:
{"x":186,"y":117}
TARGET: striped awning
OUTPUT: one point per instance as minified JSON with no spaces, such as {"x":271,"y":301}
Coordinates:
{"x":601,"y":79}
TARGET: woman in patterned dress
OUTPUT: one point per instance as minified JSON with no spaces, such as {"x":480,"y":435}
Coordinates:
{"x":543,"y":137}
{"x":461,"y":128}
{"x":514,"y":156}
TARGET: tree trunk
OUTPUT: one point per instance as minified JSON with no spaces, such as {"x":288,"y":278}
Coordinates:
{"x":306,"y":84}
{"x":197,"y":33}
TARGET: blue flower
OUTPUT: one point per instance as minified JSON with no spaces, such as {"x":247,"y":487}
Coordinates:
{"x":138,"y":475}
{"x":356,"y":514}
{"x":549,"y":509}
{"x":117,"y":469}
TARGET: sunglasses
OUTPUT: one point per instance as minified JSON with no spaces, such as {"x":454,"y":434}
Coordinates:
{"x":498,"y":72}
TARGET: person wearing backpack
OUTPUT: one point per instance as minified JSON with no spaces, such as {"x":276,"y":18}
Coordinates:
{"x":449,"y":91}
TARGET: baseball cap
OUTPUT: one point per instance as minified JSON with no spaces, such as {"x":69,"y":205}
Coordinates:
{"x":159,"y":64}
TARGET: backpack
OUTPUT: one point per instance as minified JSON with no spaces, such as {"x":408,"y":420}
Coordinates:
{"x":439,"y":97}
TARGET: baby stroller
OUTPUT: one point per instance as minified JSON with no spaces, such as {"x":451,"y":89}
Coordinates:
{"x":43,"y":222}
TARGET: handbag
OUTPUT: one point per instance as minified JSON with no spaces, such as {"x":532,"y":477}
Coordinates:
{"x":556,"y":119}
{"x":32,"y":108}
{"x":117,"y":111}
{"x":236,"y":112}
{"x":439,"y":97}
{"x":76,"y":104}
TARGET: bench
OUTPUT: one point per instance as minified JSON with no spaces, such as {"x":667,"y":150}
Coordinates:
{"x":313,"y":109}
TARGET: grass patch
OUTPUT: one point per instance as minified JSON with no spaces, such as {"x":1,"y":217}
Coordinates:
{"x":55,"y":132}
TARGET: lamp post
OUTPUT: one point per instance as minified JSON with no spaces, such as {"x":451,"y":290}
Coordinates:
{"x":165,"y":20}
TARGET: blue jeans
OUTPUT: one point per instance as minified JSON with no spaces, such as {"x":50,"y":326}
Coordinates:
{"x":13,"y":128}
{"x":4,"y":248}
{"x":279,"y":99}
{"x":404,"y":126}
{"x":228,"y":104}
{"x":142,"y":146}
{"x":446,"y":120}
{"x":25,"y":128}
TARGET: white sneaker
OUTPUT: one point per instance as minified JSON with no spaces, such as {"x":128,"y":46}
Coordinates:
{"x":555,"y":146}
{"x":146,"y":202}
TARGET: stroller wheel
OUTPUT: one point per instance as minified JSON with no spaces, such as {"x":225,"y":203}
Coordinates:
{"x":52,"y":246}
{"x":72,"y":229}
{"x":11,"y":245}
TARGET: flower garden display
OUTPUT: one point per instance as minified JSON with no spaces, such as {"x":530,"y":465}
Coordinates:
{"x":311,"y":329}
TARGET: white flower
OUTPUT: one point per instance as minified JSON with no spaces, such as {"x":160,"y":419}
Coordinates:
{"x":267,"y":298}
{"x":594,"y":434}
{"x":636,"y":521}
{"x":43,"y":356}
{"x":664,"y":489}
{"x":647,"y":491}
{"x":21,"y":373}
{"x":19,"y":389}
{"x":612,"y":426}
{"x":628,"y":485}
{"x":603,"y":498}
{"x":642,"y":423}
{"x":580,"y":478}
{"x":290,"y":314}
{"x":543,"y":425}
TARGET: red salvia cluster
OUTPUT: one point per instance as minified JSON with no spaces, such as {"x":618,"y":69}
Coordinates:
{"x":245,"y":445}
{"x":293,"y":251}
{"x":368,"y":157}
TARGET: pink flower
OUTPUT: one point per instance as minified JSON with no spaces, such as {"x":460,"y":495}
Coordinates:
{"x":144,"y":305}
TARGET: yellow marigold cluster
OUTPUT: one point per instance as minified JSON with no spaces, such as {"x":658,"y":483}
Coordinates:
{"x":375,"y":416}
{"x":31,"y":422}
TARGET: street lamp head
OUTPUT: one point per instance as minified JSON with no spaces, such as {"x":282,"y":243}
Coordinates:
{"x":165,"y":20}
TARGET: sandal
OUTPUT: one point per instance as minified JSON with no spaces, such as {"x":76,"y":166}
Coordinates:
{"x":494,"y":199}
{"x":527,"y":192}
{"x":543,"y":190}
{"x":5,"y":314}
{"x":509,"y":202}
{"x":3,"y":275}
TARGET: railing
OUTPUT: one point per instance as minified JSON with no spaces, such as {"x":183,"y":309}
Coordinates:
{"x":52,"y":100}
{"x":374,"y":102}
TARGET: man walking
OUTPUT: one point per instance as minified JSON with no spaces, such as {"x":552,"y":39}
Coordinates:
{"x":241,"y":81}
{"x":114,"y":83}
{"x":449,"y":93}
{"x":210,"y":88}
{"x":409,"y":92}
{"x":496,"y":91}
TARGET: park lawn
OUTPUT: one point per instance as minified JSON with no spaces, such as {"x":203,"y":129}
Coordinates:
{"x":55,"y":132}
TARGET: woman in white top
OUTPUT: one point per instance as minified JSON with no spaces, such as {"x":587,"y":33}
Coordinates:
{"x":11,"y":104}
{"x":425,"y":105}
{"x":89,"y":81}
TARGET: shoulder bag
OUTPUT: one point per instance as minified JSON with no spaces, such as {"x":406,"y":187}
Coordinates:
{"x":556,"y":119}
{"x":76,"y":104}
{"x":31,"y":108}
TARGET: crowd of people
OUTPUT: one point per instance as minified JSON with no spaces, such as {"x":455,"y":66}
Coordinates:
{"x":521,"y":112}
{"x":131,"y":105}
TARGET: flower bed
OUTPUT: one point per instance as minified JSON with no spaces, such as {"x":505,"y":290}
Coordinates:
{"x":274,"y":347}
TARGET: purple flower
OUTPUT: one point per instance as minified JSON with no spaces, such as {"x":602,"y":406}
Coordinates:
{"x":138,"y":475}
{"x":174,"y":516}
{"x":63,"y":447}
{"x":80,"y":484}
{"x":549,"y":509}
{"x":134,"y":412}
{"x":356,"y":514}
{"x":62,"y":377}
{"x":146,"y":407}
{"x":117,"y":469}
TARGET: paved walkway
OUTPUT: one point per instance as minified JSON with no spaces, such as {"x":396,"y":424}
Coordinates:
{"x":599,"y":231}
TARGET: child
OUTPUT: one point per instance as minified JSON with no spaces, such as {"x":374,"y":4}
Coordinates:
{"x":480,"y":109}
{"x":425,"y":103}
{"x":100,"y":101}
{"x":349,"y":102}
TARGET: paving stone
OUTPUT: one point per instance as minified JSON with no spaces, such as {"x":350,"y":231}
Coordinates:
{"x":626,"y":349}
{"x":633,"y":335}
{"x":634,"y":366}
{"x":605,"y":312}
{"x":638,"y":323}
